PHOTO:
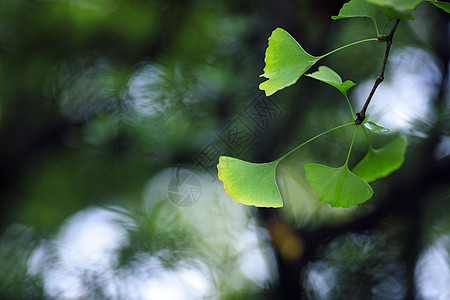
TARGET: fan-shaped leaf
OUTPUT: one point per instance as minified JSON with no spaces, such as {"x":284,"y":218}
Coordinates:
{"x":337,"y":186}
{"x":357,"y":8}
{"x":327,"y":75}
{"x":250,"y":183}
{"x":392,"y":14}
{"x":398,"y":4}
{"x":379,"y":163}
{"x":372,"y":126}
{"x":442,"y":5}
{"x":285,"y":62}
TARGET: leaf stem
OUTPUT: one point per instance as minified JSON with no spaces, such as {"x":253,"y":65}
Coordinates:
{"x":350,"y":106}
{"x":367,"y":136}
{"x":313,"y":138}
{"x":351,"y":146}
{"x":348,"y":45}
{"x":384,"y":26}
{"x":376,"y":27}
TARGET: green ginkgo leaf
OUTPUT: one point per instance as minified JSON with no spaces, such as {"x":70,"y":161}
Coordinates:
{"x":337,"y":186}
{"x":442,"y":5}
{"x":250,"y":183}
{"x":374,"y":127}
{"x":285,"y":62}
{"x":392,"y":14}
{"x":398,"y":4}
{"x":379,"y":163}
{"x":327,"y":75}
{"x":356,"y":9}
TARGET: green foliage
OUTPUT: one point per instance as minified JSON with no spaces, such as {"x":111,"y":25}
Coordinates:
{"x":337,"y":186}
{"x":285,"y":61}
{"x":442,"y":5}
{"x":357,"y":8}
{"x":402,"y":5}
{"x":392,"y":14}
{"x":329,"y":76}
{"x":250,"y":183}
{"x":398,"y":4}
{"x":362,"y":8}
{"x":393,"y":9}
{"x":100,"y":99}
{"x":379,"y":163}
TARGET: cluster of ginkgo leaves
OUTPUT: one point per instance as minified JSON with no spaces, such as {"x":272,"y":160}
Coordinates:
{"x":286,"y":61}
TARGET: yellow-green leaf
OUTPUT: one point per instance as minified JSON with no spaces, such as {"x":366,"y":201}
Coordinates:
{"x":250,"y":183}
{"x":285,"y":62}
{"x":327,"y":75}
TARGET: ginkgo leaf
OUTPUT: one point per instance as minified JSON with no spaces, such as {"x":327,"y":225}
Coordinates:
{"x":357,"y":8}
{"x":337,"y":186}
{"x":374,"y":127}
{"x":250,"y":183}
{"x":442,"y":5}
{"x":327,"y":75}
{"x":379,"y":163}
{"x":398,"y":4}
{"x":392,"y":14}
{"x":285,"y":62}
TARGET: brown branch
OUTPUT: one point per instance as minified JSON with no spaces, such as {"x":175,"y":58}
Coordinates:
{"x":382,"y":38}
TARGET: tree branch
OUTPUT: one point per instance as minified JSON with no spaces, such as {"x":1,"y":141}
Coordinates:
{"x":382,"y":38}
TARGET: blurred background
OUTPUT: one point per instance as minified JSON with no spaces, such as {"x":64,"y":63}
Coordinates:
{"x":113,"y":114}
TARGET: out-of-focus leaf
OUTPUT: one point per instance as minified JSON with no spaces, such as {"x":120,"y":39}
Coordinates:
{"x":250,"y":183}
{"x":372,"y":126}
{"x":379,"y":163}
{"x":285,"y":62}
{"x":327,"y":75}
{"x":337,"y":186}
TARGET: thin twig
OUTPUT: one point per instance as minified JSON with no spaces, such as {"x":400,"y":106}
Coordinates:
{"x":382,"y":38}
